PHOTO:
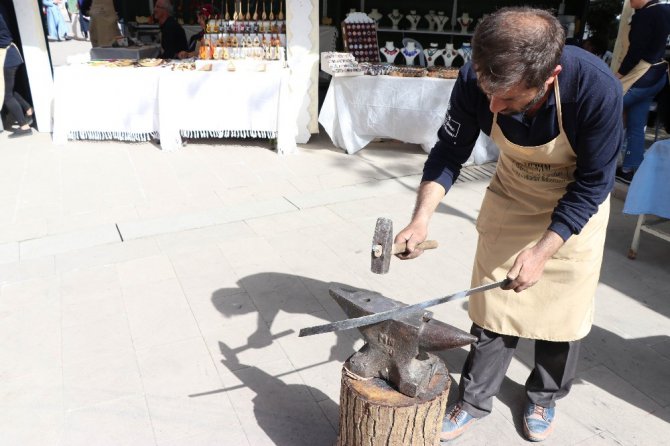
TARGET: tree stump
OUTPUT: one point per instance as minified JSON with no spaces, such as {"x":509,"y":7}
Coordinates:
{"x":373,"y":413}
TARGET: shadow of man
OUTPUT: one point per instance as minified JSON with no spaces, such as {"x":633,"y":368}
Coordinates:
{"x":271,"y":293}
{"x":288,"y":412}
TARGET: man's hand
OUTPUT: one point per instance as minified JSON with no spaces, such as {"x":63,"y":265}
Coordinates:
{"x":429,"y":196}
{"x":413,"y":234}
{"x":529,"y":264}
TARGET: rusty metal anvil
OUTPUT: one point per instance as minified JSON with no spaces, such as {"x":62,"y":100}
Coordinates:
{"x":396,"y":350}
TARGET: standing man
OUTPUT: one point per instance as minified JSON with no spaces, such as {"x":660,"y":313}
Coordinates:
{"x":553,"y":111}
{"x":643,"y":73}
{"x":173,"y":37}
{"x":104,"y":21}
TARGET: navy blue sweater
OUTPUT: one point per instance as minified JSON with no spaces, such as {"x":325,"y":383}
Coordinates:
{"x":13,"y":57}
{"x":649,"y":29}
{"x":592,"y":105}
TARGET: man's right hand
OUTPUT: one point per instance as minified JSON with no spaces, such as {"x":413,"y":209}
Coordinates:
{"x":413,"y":234}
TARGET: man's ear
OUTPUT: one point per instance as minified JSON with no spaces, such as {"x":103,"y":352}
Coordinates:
{"x":554,"y":73}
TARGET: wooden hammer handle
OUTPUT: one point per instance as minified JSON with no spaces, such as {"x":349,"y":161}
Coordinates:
{"x":402,"y":247}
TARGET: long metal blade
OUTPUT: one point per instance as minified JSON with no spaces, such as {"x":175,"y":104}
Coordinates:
{"x":396,"y":312}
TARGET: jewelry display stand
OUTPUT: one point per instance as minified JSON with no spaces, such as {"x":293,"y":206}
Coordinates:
{"x":375,"y":15}
{"x":359,"y":36}
{"x":440,"y":21}
{"x":465,"y":51}
{"x":464,"y":21}
{"x":449,"y":54}
{"x":432,"y":54}
{"x":395,"y":18}
{"x":410,"y":52}
{"x":389,"y":51}
{"x":413,"y":20}
{"x":430,"y":18}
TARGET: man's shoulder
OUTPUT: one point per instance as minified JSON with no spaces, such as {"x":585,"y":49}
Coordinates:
{"x":586,"y":69}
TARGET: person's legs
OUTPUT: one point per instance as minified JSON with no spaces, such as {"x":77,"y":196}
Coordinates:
{"x":636,"y":103}
{"x":25,"y":105}
{"x":484,"y":370}
{"x":13,"y":106}
{"x":554,"y":372}
{"x":550,"y":380}
{"x":483,"y":373}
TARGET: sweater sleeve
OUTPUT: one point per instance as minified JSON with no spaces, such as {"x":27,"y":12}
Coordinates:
{"x":457,"y":135}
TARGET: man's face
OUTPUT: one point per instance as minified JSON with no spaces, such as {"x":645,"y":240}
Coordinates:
{"x":637,"y":4}
{"x":160,"y":11}
{"x":517,"y":99}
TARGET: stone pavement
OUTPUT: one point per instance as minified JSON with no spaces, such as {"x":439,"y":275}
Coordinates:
{"x":151,"y":298}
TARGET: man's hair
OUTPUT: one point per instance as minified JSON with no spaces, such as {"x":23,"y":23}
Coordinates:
{"x":515,"y":45}
{"x":167,"y":4}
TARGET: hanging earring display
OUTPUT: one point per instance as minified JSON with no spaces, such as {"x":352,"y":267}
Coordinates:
{"x":280,"y":16}
{"x":248,"y":16}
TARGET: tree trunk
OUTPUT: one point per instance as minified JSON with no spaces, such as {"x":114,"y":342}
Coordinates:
{"x":372,"y":413}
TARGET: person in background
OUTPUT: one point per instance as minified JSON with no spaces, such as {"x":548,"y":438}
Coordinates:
{"x":643,"y":74}
{"x":104,"y":25}
{"x":84,"y":19}
{"x":173,"y":36}
{"x":596,"y":45}
{"x":73,"y":11}
{"x":203,"y":15}
{"x":18,"y":107}
{"x":56,"y":25}
{"x":554,"y":112}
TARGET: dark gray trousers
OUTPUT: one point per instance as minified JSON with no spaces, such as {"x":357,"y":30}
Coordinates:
{"x":486,"y":365}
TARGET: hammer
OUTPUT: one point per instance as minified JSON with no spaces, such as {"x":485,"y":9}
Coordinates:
{"x":383,"y":247}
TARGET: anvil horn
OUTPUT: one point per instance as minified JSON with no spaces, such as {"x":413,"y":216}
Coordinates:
{"x":435,"y":335}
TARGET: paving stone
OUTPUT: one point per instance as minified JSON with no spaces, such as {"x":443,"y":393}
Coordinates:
{"x":123,"y":421}
{"x":98,"y":378}
{"x":60,"y":243}
{"x":158,"y":313}
{"x":177,"y":369}
{"x":27,"y":269}
{"x":106,"y":255}
{"x":200,"y":420}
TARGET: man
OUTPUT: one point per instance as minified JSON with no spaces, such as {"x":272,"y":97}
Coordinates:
{"x":553,"y":111}
{"x":643,"y":73}
{"x":173,"y":37}
{"x":104,"y":21}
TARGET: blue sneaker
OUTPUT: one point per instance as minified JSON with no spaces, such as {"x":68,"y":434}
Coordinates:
{"x":456,"y":422}
{"x":537,"y":422}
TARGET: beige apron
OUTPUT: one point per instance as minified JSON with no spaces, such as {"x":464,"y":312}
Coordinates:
{"x":104,"y":27}
{"x":638,"y":70}
{"x":515,"y":213}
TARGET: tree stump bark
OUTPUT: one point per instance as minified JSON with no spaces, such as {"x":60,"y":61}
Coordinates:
{"x":372,"y":413}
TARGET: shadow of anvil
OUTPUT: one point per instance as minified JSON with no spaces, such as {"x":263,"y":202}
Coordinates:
{"x":396,"y":350}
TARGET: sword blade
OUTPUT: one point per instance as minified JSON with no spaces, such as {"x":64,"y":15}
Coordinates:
{"x":346,"y":324}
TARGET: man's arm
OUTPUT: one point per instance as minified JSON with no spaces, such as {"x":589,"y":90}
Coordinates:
{"x":429,"y":196}
{"x":456,"y":139}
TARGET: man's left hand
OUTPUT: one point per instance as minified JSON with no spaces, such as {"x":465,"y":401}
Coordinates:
{"x":529,"y":264}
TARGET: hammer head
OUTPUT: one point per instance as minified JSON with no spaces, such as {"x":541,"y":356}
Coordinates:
{"x":382,"y":246}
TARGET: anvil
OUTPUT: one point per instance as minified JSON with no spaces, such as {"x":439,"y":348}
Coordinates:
{"x":396,"y":349}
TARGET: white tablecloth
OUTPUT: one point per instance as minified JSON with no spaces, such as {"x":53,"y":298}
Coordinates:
{"x":137,"y":104}
{"x":105,"y":103}
{"x":217,"y":104}
{"x":358,"y":109}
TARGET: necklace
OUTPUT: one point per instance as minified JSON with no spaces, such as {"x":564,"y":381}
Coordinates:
{"x":430,"y":52}
{"x":389,"y":52}
{"x":409,"y":53}
{"x":395,"y":18}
